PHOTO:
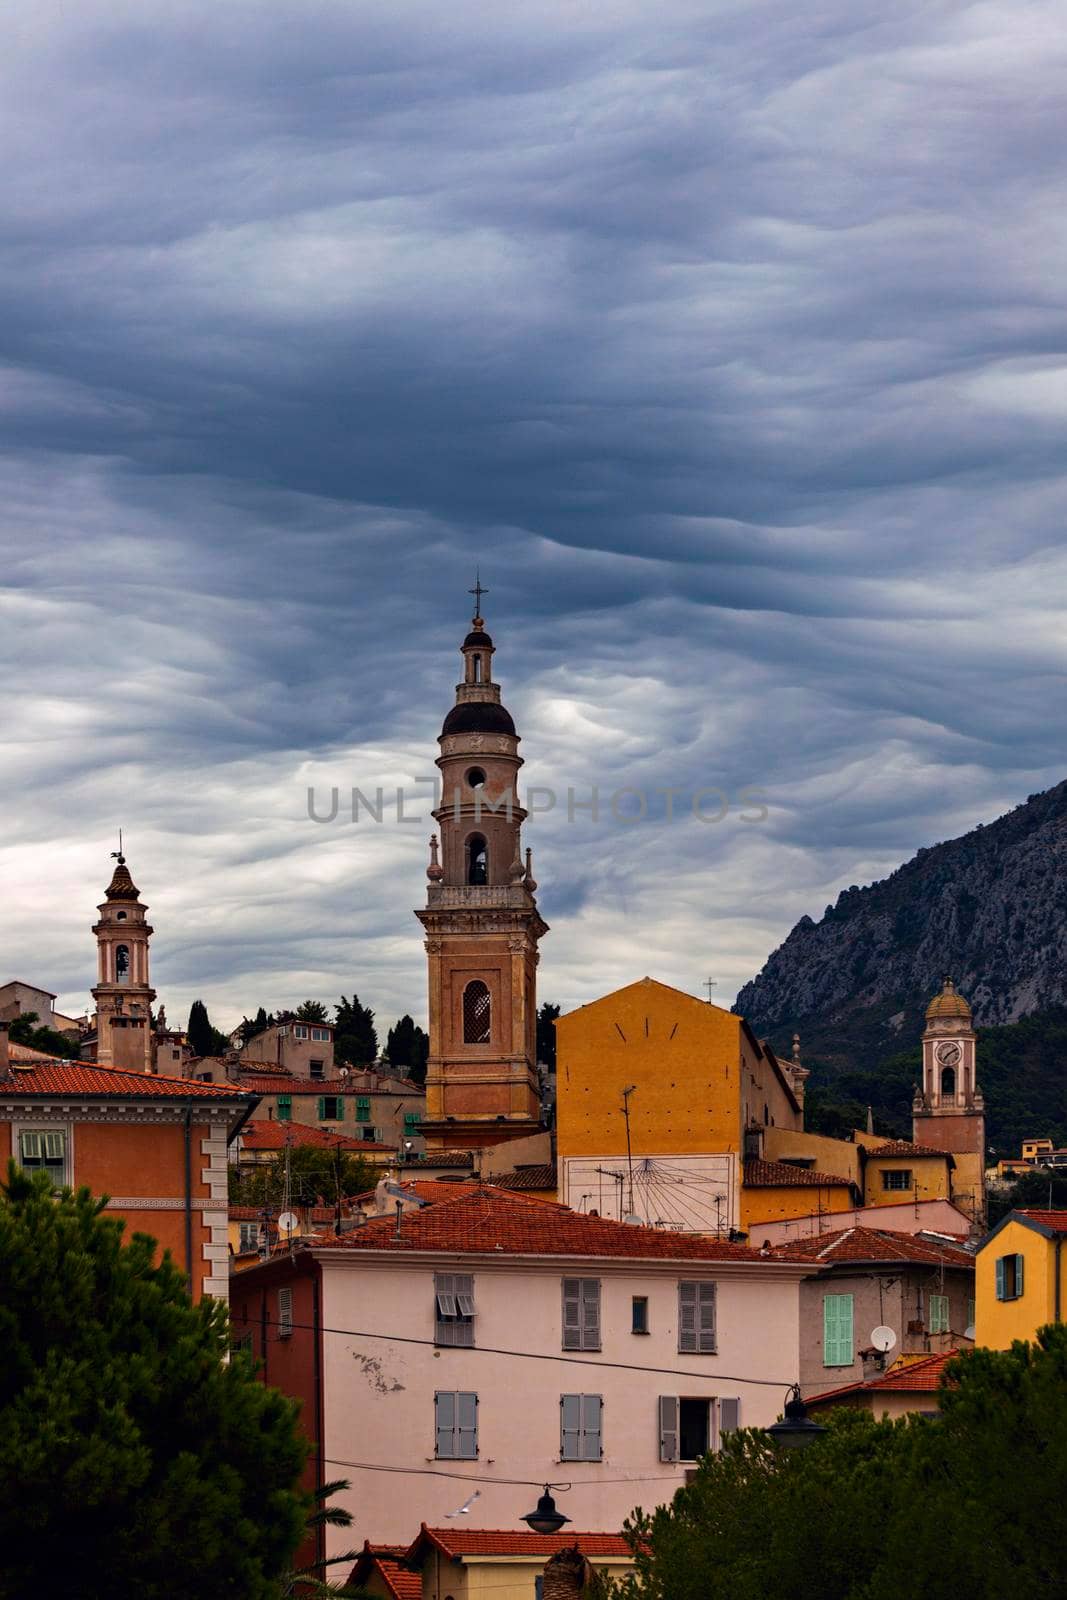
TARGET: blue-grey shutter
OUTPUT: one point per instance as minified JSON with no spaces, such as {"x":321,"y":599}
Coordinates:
{"x":572,"y":1314}
{"x":591,"y":1441}
{"x":466,"y":1426}
{"x":1001,"y":1260}
{"x":322,"y":1108}
{"x":706,"y":1318}
{"x":687,"y":1317}
{"x":590,"y":1313}
{"x":1018,"y":1276}
{"x":445,"y":1422}
{"x":729,"y":1417}
{"x":570,"y":1426}
{"x":668,"y":1427}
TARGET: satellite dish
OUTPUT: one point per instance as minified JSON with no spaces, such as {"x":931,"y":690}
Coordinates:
{"x":287,"y":1222}
{"x":883,"y":1339}
{"x":968,"y":1332}
{"x":634,"y":1220}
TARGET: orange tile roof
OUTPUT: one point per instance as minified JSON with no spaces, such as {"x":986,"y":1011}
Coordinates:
{"x":488,"y":1221}
{"x":400,"y":1581}
{"x":1056,"y":1220}
{"x":922,"y":1376}
{"x":60,"y":1079}
{"x":264,"y":1134}
{"x":459,"y":1542}
{"x":904,"y":1147}
{"x":265,"y":1082}
{"x":780,"y":1175}
{"x":540,"y":1178}
{"x":441,"y":1158}
{"x":873,"y":1244}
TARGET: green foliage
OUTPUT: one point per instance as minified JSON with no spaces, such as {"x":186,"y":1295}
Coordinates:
{"x":876,"y":1508}
{"x":312,"y":1579}
{"x":408,"y":1047}
{"x":546,"y":1034}
{"x":1040,"y":1188}
{"x":313,"y":1171}
{"x":258,"y":1024}
{"x":355,"y":1041}
{"x":134,"y":1459}
{"x":24,"y":1030}
{"x":311,"y":1011}
{"x":204,"y":1040}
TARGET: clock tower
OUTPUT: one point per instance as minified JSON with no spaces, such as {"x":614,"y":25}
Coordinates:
{"x":123,"y":991}
{"x":482,"y":924}
{"x":948,"y":1112}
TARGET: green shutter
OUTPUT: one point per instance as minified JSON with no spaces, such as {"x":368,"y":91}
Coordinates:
{"x":285,"y":1108}
{"x":1018,"y":1277}
{"x":322,"y":1108}
{"x":837,"y":1340}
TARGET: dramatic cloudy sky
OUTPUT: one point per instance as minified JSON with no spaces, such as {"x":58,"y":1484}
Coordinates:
{"x":730,"y":338}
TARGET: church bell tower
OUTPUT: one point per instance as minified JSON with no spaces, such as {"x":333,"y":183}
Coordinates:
{"x":123,"y":993}
{"x":948,"y":1112}
{"x":482,"y":924}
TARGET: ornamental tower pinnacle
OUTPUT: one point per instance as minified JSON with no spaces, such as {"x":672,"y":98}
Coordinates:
{"x":482,"y":924}
{"x":123,"y":991}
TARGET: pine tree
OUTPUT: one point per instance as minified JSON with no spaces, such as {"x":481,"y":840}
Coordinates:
{"x":356,"y":1039}
{"x":204,"y":1040}
{"x":134,"y":1458}
{"x":546,"y":1035}
{"x":407,"y":1048}
{"x":311,"y":1011}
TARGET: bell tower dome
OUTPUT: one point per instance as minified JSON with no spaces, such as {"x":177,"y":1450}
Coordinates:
{"x":948,"y":1111}
{"x":481,"y":922}
{"x":123,"y":992}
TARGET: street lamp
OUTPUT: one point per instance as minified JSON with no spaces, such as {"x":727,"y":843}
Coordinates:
{"x":796,"y":1429}
{"x":545,"y":1518}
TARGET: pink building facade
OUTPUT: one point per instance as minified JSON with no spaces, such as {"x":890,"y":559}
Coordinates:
{"x":494,"y":1337}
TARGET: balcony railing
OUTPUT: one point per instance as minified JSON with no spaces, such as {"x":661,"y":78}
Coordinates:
{"x":445,"y":896}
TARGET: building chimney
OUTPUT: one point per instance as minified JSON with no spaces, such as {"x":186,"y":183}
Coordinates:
{"x":5,"y":1053}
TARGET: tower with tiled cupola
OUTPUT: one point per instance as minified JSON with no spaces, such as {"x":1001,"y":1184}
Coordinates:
{"x":482,"y":924}
{"x":949,"y":1112}
{"x":123,"y":991}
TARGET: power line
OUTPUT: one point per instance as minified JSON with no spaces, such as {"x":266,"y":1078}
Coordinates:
{"x":474,"y":1477}
{"x":532,"y":1355}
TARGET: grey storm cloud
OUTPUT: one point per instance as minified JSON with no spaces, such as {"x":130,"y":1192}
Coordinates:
{"x":727,"y":338}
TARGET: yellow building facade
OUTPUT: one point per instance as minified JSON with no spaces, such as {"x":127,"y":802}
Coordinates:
{"x":1019,"y":1285}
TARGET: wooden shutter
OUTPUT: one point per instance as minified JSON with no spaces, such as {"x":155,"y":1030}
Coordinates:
{"x":592,"y":1407}
{"x":581,"y":1314}
{"x":322,"y":1112}
{"x":687,"y":1317}
{"x":445,"y":1423}
{"x":837,"y":1330}
{"x":1001,"y":1263}
{"x":285,"y":1313}
{"x":590,"y":1313}
{"x":668,"y":1427}
{"x":729,"y":1416}
{"x":466,"y":1426}
{"x":939,"y":1313}
{"x":706,"y":1318}
{"x":1018,"y":1276}
{"x":570,"y":1426}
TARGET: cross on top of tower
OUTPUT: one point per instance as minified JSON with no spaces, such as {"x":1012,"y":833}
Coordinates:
{"x":477,"y":592}
{"x":117,"y":855}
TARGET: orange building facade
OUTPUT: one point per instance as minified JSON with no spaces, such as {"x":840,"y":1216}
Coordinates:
{"x":155,"y":1146}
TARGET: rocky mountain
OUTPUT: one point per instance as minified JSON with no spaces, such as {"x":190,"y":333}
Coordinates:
{"x":988,"y":909}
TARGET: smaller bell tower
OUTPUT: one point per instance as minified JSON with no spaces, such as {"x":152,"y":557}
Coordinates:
{"x":123,"y":991}
{"x":948,"y":1112}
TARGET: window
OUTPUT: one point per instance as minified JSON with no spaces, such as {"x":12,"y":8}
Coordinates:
{"x":580,"y":1427}
{"x":371,"y":1135}
{"x":285,"y":1108}
{"x":331,"y":1108}
{"x":837,"y":1342}
{"x":249,"y":1237}
{"x":363,"y":1108}
{"x":44,"y":1150}
{"x":412,"y":1124}
{"x":316,"y":1069}
{"x":477,"y":859}
{"x":939,"y":1313}
{"x":122,"y":963}
{"x":948,"y":1083}
{"x":120,"y":916}
{"x":581,"y":1313}
{"x":686,"y":1425}
{"x":285,"y":1313}
{"x":896,"y":1178}
{"x":477,"y":1013}
{"x":696,"y":1318}
{"x":970,"y":1319}
{"x":300,"y":1030}
{"x":320,"y":1034}
{"x":456,"y":1422}
{"x":639,"y":1314}
{"x":242,"y":1341}
{"x":1009,"y":1277}
{"x":475,"y":778}
{"x":453,"y":1296}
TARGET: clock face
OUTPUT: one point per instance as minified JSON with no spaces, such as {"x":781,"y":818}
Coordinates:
{"x":948,"y":1054}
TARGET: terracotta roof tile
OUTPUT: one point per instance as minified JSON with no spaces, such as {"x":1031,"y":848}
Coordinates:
{"x":874,"y":1244}
{"x":82,"y":1079}
{"x":261,"y":1134}
{"x":459,"y":1542}
{"x":487,"y":1221}
{"x":264,"y":1082}
{"x":538,"y":1178}
{"x":921,"y":1376}
{"x":904,"y":1147}
{"x":780,"y":1175}
{"x":442,"y":1158}
{"x":1056,"y":1220}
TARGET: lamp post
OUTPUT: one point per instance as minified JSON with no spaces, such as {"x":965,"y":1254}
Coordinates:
{"x":796,"y":1429}
{"x":545,"y":1518}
